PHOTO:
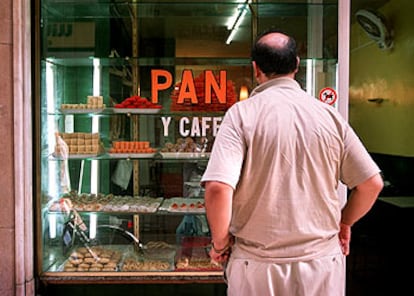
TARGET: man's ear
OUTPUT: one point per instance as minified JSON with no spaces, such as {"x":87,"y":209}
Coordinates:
{"x":297,"y":64}
{"x":254,"y":68}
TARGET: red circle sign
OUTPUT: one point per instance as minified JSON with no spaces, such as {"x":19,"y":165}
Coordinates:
{"x":328,"y":95}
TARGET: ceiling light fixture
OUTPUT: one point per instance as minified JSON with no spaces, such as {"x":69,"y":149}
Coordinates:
{"x":236,"y":20}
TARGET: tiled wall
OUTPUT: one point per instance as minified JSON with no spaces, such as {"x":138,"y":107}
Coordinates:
{"x":16,"y":198}
{"x":7,"y":244}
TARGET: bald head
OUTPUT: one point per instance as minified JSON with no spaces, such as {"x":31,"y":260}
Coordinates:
{"x":274,"y":53}
{"x":275,"y":40}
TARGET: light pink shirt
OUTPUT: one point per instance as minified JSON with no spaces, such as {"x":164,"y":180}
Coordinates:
{"x":285,"y":153}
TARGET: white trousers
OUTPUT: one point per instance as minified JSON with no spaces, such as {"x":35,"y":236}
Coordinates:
{"x":319,"y":277}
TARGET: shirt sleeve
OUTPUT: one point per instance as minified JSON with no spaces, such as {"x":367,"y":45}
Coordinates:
{"x":226,"y":159}
{"x":357,"y":164}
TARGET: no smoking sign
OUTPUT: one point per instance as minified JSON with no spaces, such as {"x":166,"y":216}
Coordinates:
{"x":328,"y":95}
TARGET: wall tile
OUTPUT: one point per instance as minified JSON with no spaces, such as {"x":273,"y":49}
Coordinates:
{"x":6,"y":134}
{"x":9,"y":292}
{"x":6,"y":260}
{"x":6,"y":16}
{"x":6,"y":73}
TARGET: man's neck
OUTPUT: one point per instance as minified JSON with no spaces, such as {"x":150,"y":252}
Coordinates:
{"x":264,"y":78}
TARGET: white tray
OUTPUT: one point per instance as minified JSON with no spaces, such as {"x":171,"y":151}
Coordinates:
{"x":131,"y":155}
{"x":178,"y":155}
{"x":76,"y":156}
{"x":81,"y":111}
{"x":184,"y":205}
{"x":137,"y":110}
{"x":192,"y":184}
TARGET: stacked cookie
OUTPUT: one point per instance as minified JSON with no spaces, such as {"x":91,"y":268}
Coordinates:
{"x":95,"y":259}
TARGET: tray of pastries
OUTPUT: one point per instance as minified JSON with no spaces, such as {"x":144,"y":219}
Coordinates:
{"x":155,"y":256}
{"x":193,"y":255}
{"x":110,"y":203}
{"x":182,"y":204}
{"x":94,"y":259}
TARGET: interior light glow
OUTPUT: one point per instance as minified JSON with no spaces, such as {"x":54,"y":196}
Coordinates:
{"x":52,"y":226}
{"x":315,"y":37}
{"x":310,"y":77}
{"x":95,"y":124}
{"x":93,"y":222}
{"x":51,"y":125}
{"x":244,"y":93}
{"x":82,"y":168}
{"x":96,"y":77}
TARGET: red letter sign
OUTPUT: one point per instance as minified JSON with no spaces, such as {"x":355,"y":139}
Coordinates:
{"x":156,"y":85}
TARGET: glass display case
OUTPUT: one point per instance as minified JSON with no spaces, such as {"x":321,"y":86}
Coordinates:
{"x":132,"y":96}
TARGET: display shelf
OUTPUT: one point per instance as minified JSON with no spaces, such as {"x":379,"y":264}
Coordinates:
{"x":168,"y":277}
{"x":76,"y":156}
{"x":132,"y":205}
{"x":227,"y":61}
{"x":159,"y":156}
{"x":131,"y":155}
{"x":125,"y":9}
{"x":108,"y":112}
{"x":159,"y":212}
{"x":168,"y":8}
{"x":136,"y":110}
{"x":147,"y":61}
{"x":81,"y":111}
{"x":185,"y":155}
{"x":76,"y":265}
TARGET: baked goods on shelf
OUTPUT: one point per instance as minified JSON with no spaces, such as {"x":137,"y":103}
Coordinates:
{"x":181,"y":204}
{"x":93,"y":103}
{"x":196,"y":264}
{"x":193,"y":255}
{"x":137,"y":102}
{"x":158,"y":245}
{"x":110,"y":203}
{"x":68,"y":144}
{"x":97,"y":258}
{"x":131,"y":147}
{"x":155,"y":256}
{"x":140,"y":264}
{"x":188,"y":144}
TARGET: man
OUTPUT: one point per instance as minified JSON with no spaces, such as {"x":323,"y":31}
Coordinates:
{"x":272,"y":182}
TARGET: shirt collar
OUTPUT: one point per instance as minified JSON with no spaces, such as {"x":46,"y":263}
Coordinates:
{"x":277,"y":82}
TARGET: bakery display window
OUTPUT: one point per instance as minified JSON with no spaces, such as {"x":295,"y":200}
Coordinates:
{"x":132,"y":94}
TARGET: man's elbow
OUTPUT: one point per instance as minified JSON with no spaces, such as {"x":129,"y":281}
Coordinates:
{"x":373,"y":185}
